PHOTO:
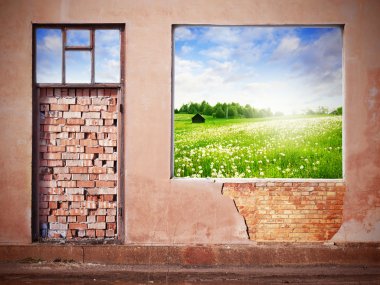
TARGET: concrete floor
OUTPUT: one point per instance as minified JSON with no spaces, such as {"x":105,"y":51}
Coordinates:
{"x":41,"y":272}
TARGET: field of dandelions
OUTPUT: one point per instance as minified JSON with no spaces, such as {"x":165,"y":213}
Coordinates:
{"x":287,"y":147}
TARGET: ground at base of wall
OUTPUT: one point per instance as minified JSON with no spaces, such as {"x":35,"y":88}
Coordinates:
{"x":73,"y":273}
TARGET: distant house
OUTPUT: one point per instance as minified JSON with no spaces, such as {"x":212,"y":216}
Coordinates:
{"x":198,"y":119}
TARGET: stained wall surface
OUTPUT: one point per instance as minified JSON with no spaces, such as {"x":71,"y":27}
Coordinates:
{"x":160,"y":209}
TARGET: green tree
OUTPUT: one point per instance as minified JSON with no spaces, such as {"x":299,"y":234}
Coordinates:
{"x":220,"y":113}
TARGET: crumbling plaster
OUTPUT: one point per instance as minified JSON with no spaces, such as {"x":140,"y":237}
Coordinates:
{"x":160,"y":209}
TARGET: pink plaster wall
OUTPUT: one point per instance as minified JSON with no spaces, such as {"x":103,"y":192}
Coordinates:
{"x":158,"y":209}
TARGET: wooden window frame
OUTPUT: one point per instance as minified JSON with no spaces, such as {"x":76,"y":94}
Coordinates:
{"x":92,"y":28}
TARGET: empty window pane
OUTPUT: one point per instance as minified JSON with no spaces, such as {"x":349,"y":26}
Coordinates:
{"x":78,"y":38}
{"x":78,"y":66}
{"x":49,"y":55}
{"x":107,"y":56}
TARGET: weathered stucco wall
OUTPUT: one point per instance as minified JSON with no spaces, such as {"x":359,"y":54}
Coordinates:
{"x":160,"y":210}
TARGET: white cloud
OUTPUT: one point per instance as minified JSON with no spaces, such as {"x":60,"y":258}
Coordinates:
{"x":183,"y":34}
{"x":51,"y":43}
{"x":185,"y":49}
{"x":287,"y":46}
{"x":222,"y":35}
{"x":220,"y":52}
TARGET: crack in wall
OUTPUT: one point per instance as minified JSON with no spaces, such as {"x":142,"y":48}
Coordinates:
{"x":237,"y":209}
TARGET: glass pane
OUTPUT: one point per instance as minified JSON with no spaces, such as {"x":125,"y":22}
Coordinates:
{"x":107,"y":56}
{"x":78,"y":38}
{"x":49,"y":55}
{"x":78,"y":66}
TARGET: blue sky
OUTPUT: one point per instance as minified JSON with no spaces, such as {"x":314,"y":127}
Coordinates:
{"x":287,"y":69}
{"x":78,"y":63}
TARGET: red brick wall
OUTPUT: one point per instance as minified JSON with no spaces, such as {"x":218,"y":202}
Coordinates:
{"x":289,"y":211}
{"x":78,"y":162}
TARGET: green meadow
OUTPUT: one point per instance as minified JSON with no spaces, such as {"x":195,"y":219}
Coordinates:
{"x":304,"y":146}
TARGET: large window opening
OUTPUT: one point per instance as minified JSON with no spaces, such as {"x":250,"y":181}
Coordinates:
{"x":257,"y":102}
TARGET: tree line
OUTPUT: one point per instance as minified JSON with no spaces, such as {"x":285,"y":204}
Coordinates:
{"x":235,"y":110}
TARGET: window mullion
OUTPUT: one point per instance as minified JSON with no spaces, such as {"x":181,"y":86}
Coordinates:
{"x":63,"y":55}
{"x":92,"y":56}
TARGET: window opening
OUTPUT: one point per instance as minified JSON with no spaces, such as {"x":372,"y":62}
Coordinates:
{"x":257,"y":102}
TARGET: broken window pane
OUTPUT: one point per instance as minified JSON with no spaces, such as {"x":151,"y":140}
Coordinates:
{"x":78,"y":38}
{"x":49,"y":55}
{"x":107,"y":56}
{"x":78,"y":67}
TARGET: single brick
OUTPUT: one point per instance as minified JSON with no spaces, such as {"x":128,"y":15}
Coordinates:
{"x":97,"y":170}
{"x":94,"y":149}
{"x":94,"y":122}
{"x":85,"y":183}
{"x":75,"y":148}
{"x":74,"y":162}
{"x":83,"y":101}
{"x":97,"y":108}
{"x":109,"y":198}
{"x":66,"y":100}
{"x":106,"y":205}
{"x":108,"y":115}
{"x":79,"y":108}
{"x":87,"y":142}
{"x":66,"y":142}
{"x":111,"y":226}
{"x":107,"y":156}
{"x":77,"y":226}
{"x":86,"y":156}
{"x":72,"y":115}
{"x":52,"y":128}
{"x":110,"y":233}
{"x":105,"y":183}
{"x":110,"y":219}
{"x":71,"y":219}
{"x":66,"y":183}
{"x":78,"y":170}
{"x":100,"y":218}
{"x":98,"y":226}
{"x":48,"y":100}
{"x":107,"y":142}
{"x":111,"y":212}
{"x":89,"y":204}
{"x":71,"y":129}
{"x":61,"y":170}
{"x":53,"y":148}
{"x":81,"y":219}
{"x":80,"y":177}
{"x":54,"y":114}
{"x":101,"y":191}
{"x":75,"y":191}
{"x":108,"y":129}
{"x":90,"y":233}
{"x":91,"y":219}
{"x":91,"y":115}
{"x":51,"y":183}
{"x":59,"y":107}
{"x":62,"y":219}
{"x":100,"y":233}
{"x":78,"y":212}
{"x":108,"y":177}
{"x":57,"y":226}
{"x":109,"y":149}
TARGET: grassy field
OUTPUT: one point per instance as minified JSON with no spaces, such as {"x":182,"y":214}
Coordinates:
{"x":285,"y":147}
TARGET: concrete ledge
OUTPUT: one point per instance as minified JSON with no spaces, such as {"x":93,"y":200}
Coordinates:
{"x":199,"y":255}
